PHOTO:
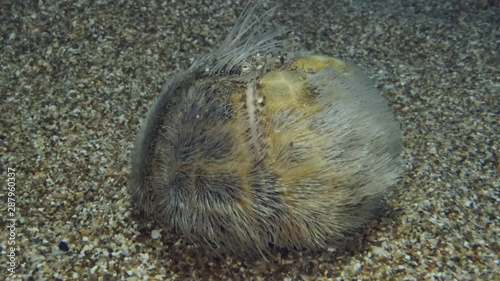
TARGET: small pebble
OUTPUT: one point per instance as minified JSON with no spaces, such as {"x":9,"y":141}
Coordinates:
{"x":63,"y":246}
{"x":155,"y":234}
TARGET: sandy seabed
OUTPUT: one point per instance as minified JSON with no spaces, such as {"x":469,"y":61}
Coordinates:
{"x":76,"y":78}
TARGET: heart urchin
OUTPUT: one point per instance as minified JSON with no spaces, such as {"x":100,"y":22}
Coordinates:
{"x":248,"y":148}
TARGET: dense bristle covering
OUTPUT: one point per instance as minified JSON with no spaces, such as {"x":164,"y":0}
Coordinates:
{"x":293,"y":154}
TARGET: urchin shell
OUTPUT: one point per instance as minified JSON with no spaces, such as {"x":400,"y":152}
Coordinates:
{"x":244,"y":149}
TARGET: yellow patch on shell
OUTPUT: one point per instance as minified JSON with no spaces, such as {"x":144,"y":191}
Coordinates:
{"x":318,"y":63}
{"x":284,"y":90}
